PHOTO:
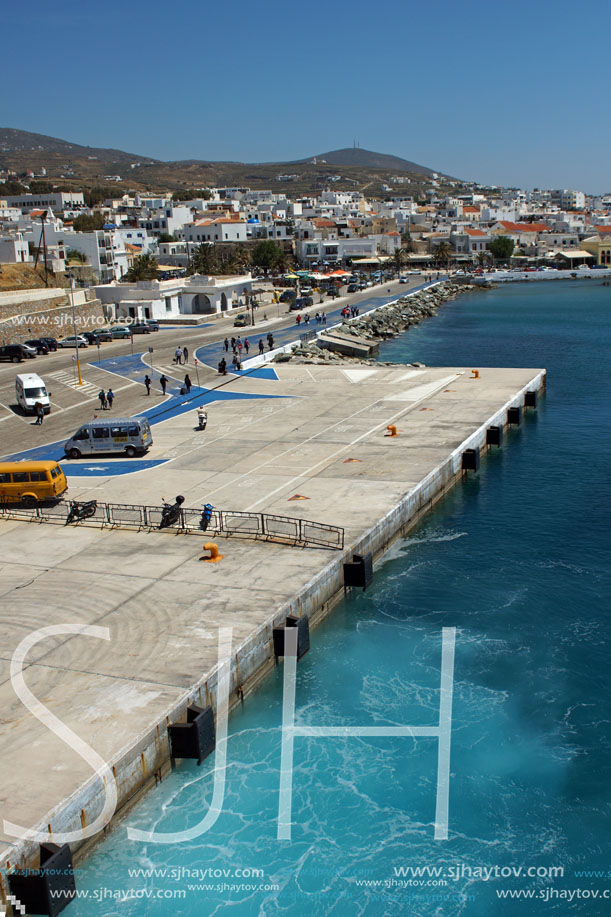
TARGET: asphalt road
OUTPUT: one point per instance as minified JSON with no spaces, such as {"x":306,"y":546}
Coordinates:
{"x":122,"y":365}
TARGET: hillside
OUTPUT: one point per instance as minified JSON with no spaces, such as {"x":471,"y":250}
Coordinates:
{"x":366,"y":159}
{"x":70,"y":166}
{"x":13,"y":141}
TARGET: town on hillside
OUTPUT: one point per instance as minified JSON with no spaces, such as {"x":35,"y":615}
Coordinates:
{"x":195,"y":239}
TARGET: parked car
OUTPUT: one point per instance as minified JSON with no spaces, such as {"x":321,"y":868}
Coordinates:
{"x":288,"y":296}
{"x":242,"y":320}
{"x":302,"y":303}
{"x":74,"y":340}
{"x":120,"y":331}
{"x":51,"y":343}
{"x":13,"y":352}
{"x":30,"y":352}
{"x":39,"y":345}
{"x":89,"y":336}
{"x":153,"y":324}
{"x":353,"y":287}
{"x":140,"y":328}
{"x":102,"y":334}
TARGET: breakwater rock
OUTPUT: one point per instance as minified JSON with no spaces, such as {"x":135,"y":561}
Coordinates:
{"x":385,"y":323}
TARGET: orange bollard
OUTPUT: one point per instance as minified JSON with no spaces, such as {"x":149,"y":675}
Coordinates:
{"x":392,"y":430}
{"x":214,"y":553}
{"x":475,"y":374}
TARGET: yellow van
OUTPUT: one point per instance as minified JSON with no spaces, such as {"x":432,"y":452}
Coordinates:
{"x":31,"y":482}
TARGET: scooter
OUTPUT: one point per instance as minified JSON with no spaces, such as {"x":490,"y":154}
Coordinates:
{"x":204,"y":522}
{"x":80,"y":511}
{"x":170,"y":513}
{"x":202,"y":419}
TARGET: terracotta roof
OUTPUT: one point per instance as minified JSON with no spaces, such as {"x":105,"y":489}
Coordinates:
{"x":470,"y":210}
{"x":474,"y":232}
{"x":524,"y":227}
{"x":321,"y":223}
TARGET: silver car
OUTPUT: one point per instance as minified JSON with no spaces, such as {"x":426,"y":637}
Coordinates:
{"x":74,"y":341}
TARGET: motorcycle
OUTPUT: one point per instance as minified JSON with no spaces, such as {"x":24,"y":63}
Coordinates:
{"x":170,"y":513}
{"x":80,"y":511}
{"x":204,"y":522}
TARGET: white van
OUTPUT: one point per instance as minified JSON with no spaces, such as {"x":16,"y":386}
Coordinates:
{"x":131,"y":435}
{"x":29,"y":389}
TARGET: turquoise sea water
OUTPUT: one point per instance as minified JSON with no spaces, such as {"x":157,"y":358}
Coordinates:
{"x":517,"y":559}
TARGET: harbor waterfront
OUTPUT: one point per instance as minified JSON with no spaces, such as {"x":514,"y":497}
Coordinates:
{"x":517,"y":560}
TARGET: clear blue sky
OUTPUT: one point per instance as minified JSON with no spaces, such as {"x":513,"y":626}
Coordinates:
{"x":506,"y":93}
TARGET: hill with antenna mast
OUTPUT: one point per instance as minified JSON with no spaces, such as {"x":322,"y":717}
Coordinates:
{"x":367,"y":159}
{"x":28,"y":157}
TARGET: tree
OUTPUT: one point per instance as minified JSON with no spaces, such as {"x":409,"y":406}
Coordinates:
{"x":167,"y":237}
{"x":267,"y":254}
{"x":145,"y":267}
{"x":191,"y":194}
{"x":95,"y":196}
{"x":205,"y":260}
{"x":398,"y":260}
{"x":502,"y":248}
{"x":89,"y":222}
{"x":442,"y":253}
{"x":76,"y":257}
{"x":11,"y":188}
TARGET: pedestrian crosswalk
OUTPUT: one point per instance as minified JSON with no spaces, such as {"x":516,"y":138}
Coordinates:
{"x":65,"y":377}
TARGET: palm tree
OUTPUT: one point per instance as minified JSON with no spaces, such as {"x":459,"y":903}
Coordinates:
{"x":398,"y":260}
{"x":443,"y":252}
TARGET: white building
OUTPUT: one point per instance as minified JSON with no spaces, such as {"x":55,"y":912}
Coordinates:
{"x":59,"y":200}
{"x":169,"y":219}
{"x":14,"y":250}
{"x":222,"y":230}
{"x":105,"y":255}
{"x":170,"y":299}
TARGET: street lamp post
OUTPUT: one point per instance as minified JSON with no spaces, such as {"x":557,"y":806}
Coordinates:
{"x":78,"y":362}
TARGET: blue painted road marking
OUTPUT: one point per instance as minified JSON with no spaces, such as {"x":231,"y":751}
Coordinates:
{"x":104,"y":468}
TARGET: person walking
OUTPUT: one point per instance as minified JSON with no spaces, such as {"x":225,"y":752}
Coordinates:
{"x":102,"y":397}
{"x":226,"y":344}
{"x":178,"y":355}
{"x":163,"y":381}
{"x":223,"y":367}
{"x":261,"y":347}
{"x":40,"y":413}
{"x":240,"y":345}
{"x":147,"y":382}
{"x":271,"y":341}
{"x":323,"y":317}
{"x":246,"y":345}
{"x":110,"y":397}
{"x":185,"y":354}
{"x":188,"y":383}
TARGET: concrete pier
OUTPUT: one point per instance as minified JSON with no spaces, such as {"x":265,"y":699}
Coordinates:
{"x":319,"y":452}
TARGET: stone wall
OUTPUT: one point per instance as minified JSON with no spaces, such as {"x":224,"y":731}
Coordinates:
{"x":50,"y":317}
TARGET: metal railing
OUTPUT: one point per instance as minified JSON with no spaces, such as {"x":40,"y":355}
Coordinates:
{"x":227,"y":523}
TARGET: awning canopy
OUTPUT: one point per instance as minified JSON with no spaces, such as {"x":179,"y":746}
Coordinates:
{"x":580,"y":253}
{"x":379,"y":260}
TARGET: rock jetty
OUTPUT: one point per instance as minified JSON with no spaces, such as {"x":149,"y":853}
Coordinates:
{"x":385,"y":323}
